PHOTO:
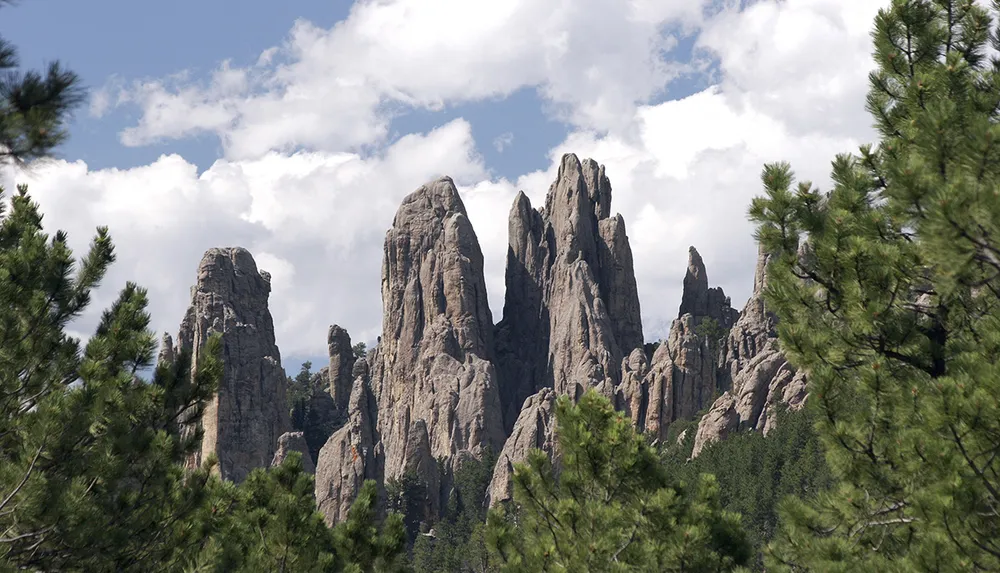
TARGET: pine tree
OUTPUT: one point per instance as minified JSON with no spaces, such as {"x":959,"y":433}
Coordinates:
{"x":90,"y":454}
{"x":887,"y":294}
{"x":34,"y":107}
{"x":610,"y":505}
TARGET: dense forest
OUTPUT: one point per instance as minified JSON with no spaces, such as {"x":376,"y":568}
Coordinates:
{"x":887,"y":292}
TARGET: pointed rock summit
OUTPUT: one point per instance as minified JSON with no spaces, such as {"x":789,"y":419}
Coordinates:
{"x":243,"y":421}
{"x":757,"y":377}
{"x":681,"y":377}
{"x":434,"y":386}
{"x":571,"y":309}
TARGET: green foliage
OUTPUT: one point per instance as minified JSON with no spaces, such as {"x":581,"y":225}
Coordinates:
{"x":298,"y":394}
{"x":363,"y":545}
{"x":408,"y":496}
{"x":458,"y":542}
{"x":90,"y":454}
{"x":611,"y":506}
{"x":92,"y":474}
{"x":360,"y":350}
{"x":270,"y":523}
{"x":887,"y":293}
{"x":755,"y":472}
{"x":34,"y":107}
{"x":267,"y":523}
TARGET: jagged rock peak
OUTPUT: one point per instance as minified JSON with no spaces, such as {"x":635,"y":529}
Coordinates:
{"x":433,"y":382}
{"x":694,"y":299}
{"x":351,"y":455}
{"x":243,"y":421}
{"x":342,"y":360}
{"x":166,"y":355}
{"x":753,"y":370}
{"x":534,"y":429}
{"x":433,"y":246}
{"x":571,"y":309}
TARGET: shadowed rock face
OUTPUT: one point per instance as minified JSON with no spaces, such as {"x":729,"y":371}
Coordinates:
{"x":681,"y":378}
{"x":434,"y":390}
{"x":338,"y":343}
{"x":754,"y":372}
{"x":571,"y":309}
{"x":244,"y":419}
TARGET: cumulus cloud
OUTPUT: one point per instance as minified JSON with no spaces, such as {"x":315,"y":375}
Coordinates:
{"x":338,"y":89}
{"x":316,"y":222}
{"x":791,"y":84}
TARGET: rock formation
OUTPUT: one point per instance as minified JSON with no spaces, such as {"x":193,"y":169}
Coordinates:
{"x":755,"y":373}
{"x":534,"y":429}
{"x":681,"y":378}
{"x":433,"y":381}
{"x":342,"y":359}
{"x":435,"y":361}
{"x":351,"y":455}
{"x":319,"y":417}
{"x":571,"y":309}
{"x":293,"y":442}
{"x":243,"y":421}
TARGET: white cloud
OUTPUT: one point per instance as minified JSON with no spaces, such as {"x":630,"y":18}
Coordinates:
{"x":336,"y":89}
{"x":791,"y":87}
{"x":316,"y":222}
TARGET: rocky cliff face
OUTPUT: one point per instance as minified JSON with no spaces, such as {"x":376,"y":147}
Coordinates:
{"x":434,"y":386}
{"x":534,"y":429}
{"x":338,"y":343}
{"x":681,"y":378}
{"x":244,"y":419}
{"x":293,"y":442}
{"x":351,"y":455}
{"x":444,"y":383}
{"x":571,"y":309}
{"x":753,"y":370}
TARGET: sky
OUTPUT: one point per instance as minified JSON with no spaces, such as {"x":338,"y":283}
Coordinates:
{"x":295,"y":128}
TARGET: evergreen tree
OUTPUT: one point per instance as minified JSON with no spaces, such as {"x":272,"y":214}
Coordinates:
{"x":90,"y":454}
{"x":34,"y":106}
{"x":887,"y":292}
{"x":299,"y":391}
{"x":269,"y":522}
{"x":610,"y":505}
{"x":365,"y":546}
{"x":456,"y":542}
{"x":755,"y":472}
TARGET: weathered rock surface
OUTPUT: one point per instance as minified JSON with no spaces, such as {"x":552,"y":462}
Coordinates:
{"x":757,"y":376}
{"x":293,"y":442}
{"x":534,"y":429}
{"x":435,"y":361}
{"x":571,"y":310}
{"x":681,"y":379}
{"x":349,"y":457}
{"x":434,"y":384}
{"x":244,"y":419}
{"x":341,"y":365}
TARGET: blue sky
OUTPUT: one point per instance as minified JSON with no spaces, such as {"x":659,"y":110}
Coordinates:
{"x":294,"y":128}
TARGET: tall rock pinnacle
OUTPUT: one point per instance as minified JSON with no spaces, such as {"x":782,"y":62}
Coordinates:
{"x":244,"y":419}
{"x":571,"y":309}
{"x":754,"y":372}
{"x":432,"y":376}
{"x":681,"y":378}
